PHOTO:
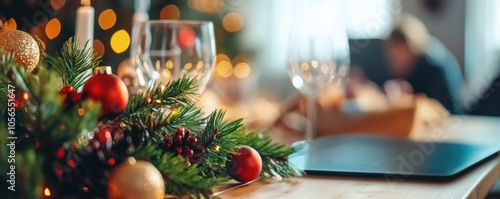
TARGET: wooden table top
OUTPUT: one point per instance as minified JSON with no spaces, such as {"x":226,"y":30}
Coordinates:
{"x":474,"y":184}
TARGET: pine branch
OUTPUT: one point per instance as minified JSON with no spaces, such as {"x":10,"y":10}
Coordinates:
{"x":7,"y":62}
{"x":73,"y":63}
{"x":181,"y":179}
{"x":175,"y":94}
{"x":274,"y":156}
{"x":220,"y":139}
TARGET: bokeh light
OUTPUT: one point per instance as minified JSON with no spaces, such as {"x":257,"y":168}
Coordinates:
{"x":187,"y":37}
{"x":99,"y":48}
{"x":224,"y":69}
{"x":170,"y":12}
{"x":232,"y":22}
{"x":46,"y":192}
{"x":169,"y":64}
{"x":10,"y":24}
{"x":242,"y":70}
{"x":206,"y":6}
{"x":53,"y":28}
{"x":57,"y":4}
{"x":188,"y":66}
{"x":120,"y":41}
{"x":157,"y":65}
{"x":199,"y":65}
{"x":221,"y":57}
{"x":107,"y":19}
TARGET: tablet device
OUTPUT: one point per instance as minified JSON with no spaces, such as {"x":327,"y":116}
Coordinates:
{"x":390,"y":158}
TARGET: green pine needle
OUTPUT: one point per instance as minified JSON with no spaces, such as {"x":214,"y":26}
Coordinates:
{"x":220,"y":139}
{"x":175,"y":94}
{"x":73,"y":63}
{"x":274,"y":156}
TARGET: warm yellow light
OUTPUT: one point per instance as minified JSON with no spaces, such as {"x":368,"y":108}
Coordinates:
{"x":232,"y":22}
{"x":188,"y":66}
{"x":304,"y":66}
{"x":199,"y":65}
{"x":221,"y":57}
{"x":224,"y":69}
{"x":81,"y":111}
{"x":10,"y":24}
{"x":169,"y":64}
{"x":211,"y":6}
{"x":157,"y":65}
{"x":242,"y":70}
{"x":206,"y":6}
{"x":98,"y":47}
{"x":57,"y":4}
{"x":53,"y":28}
{"x":314,"y":63}
{"x":85,"y":2}
{"x":46,"y":192}
{"x":170,"y":12}
{"x":107,"y":19}
{"x":166,"y":73}
{"x":120,"y":41}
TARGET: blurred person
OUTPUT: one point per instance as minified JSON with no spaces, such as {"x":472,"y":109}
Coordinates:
{"x":406,"y":49}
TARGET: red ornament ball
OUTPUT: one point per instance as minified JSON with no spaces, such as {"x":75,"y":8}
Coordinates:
{"x":245,"y":165}
{"x":107,"y":89}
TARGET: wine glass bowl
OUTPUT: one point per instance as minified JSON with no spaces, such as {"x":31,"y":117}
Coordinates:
{"x":166,"y":50}
{"x":318,"y":64}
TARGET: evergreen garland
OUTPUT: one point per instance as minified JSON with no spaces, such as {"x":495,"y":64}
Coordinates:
{"x":50,"y":134}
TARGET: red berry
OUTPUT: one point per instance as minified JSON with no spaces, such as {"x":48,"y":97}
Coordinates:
{"x":178,"y":138}
{"x":71,"y":163}
{"x":59,"y":171}
{"x":66,"y":89}
{"x":192,"y":140}
{"x":245,"y":165}
{"x":104,"y":138}
{"x":76,"y":97}
{"x":167,"y":141}
{"x":189,"y":153}
{"x":179,"y":150}
{"x":61,"y":153}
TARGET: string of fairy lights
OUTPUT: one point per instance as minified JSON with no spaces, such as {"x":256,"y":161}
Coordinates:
{"x":120,"y":40}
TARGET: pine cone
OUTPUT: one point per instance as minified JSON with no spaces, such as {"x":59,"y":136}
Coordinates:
{"x":181,"y":143}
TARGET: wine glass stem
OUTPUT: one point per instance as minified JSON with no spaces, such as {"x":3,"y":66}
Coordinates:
{"x":311,"y":116}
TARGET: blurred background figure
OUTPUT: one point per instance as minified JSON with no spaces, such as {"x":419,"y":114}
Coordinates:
{"x":409,"y":60}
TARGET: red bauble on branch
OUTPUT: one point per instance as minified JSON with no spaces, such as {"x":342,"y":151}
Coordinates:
{"x":108,"y":89}
{"x":245,"y":165}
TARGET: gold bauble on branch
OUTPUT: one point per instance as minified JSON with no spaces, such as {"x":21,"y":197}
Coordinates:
{"x":23,"y":46}
{"x":136,"y":179}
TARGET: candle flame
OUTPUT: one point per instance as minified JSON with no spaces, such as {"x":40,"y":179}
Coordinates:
{"x":85,"y":2}
{"x":46,"y":192}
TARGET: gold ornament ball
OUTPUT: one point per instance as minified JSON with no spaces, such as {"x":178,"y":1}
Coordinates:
{"x":136,"y":179}
{"x":23,"y":46}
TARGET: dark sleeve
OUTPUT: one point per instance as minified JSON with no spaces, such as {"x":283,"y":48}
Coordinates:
{"x":438,"y":89}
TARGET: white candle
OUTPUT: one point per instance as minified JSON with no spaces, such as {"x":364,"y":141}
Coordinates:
{"x":84,"y":25}
{"x":84,"y":33}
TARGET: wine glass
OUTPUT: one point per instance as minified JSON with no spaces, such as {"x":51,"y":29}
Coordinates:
{"x":318,"y":54}
{"x":166,"y":50}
